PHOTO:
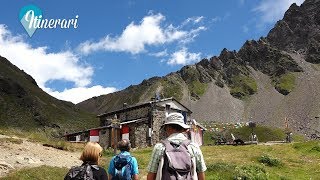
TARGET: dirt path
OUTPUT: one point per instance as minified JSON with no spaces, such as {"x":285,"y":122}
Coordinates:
{"x":15,"y":156}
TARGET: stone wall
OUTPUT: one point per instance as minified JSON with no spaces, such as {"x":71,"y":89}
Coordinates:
{"x":132,"y":136}
{"x":141,"y":135}
{"x":104,"y":138}
{"x":138,"y":131}
{"x":158,"y":117}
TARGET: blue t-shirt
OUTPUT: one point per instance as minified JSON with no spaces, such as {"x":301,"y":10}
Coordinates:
{"x":134,"y":164}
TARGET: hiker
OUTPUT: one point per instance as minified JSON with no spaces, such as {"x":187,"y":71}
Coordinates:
{"x":89,"y":169}
{"x":123,"y":166}
{"x":187,"y":159}
{"x":236,"y":141}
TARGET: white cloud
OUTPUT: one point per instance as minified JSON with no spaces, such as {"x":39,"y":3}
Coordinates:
{"x":42,"y":65}
{"x":193,"y":20}
{"x":193,"y":33}
{"x":272,"y":11}
{"x":80,"y":94}
{"x":159,"y":54}
{"x":135,"y":37}
{"x":183,"y":57}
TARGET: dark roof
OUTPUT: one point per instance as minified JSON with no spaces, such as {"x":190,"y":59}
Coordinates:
{"x":141,"y":105}
{"x":87,"y":130}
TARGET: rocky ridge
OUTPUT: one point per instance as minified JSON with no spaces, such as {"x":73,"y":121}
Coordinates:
{"x":265,"y":81}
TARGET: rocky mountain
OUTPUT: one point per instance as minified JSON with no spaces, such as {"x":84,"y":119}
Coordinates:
{"x":23,"y":105}
{"x":266,"y":81}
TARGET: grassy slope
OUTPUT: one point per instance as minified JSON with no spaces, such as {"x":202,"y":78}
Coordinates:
{"x":297,"y":161}
{"x":285,"y":83}
{"x":243,"y":86}
{"x":19,"y":112}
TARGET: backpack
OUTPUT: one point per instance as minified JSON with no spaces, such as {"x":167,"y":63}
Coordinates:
{"x":123,"y":167}
{"x":177,"y":161}
{"x":83,"y":172}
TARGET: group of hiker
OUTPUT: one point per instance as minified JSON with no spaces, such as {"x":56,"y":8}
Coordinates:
{"x":176,"y":157}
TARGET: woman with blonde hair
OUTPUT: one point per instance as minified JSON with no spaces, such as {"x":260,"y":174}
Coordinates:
{"x":89,"y":169}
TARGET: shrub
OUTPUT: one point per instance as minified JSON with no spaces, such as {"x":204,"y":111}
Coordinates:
{"x":220,"y":171}
{"x":220,"y":167}
{"x":251,"y":172}
{"x":316,"y":148}
{"x":269,"y":161}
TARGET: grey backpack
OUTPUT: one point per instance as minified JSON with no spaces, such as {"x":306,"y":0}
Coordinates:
{"x":177,"y":161}
{"x":83,"y":172}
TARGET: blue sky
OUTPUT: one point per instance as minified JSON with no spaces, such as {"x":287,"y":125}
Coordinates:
{"x":119,"y":43}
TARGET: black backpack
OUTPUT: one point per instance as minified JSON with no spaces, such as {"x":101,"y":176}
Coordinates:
{"x":177,"y":161}
{"x":123,"y":167}
{"x":83,"y":172}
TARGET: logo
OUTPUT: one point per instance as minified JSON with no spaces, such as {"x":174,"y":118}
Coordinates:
{"x":32,"y":19}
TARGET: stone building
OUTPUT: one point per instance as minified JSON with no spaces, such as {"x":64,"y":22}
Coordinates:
{"x":139,"y":123}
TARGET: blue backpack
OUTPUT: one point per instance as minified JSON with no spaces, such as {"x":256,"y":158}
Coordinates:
{"x":123,"y":167}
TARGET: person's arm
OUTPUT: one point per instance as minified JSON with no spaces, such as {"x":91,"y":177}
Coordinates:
{"x":199,"y":161}
{"x":135,"y":170}
{"x":151,"y":176}
{"x":111,"y":169}
{"x":201,"y":176}
{"x":153,"y":165}
{"x":135,"y":177}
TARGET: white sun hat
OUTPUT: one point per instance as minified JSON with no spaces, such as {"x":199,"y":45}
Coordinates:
{"x":176,"y":118}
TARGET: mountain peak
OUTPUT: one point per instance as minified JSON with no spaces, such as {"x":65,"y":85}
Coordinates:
{"x":298,"y":30}
{"x":266,"y":80}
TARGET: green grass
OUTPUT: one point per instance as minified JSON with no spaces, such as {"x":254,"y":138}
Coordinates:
{"x":242,"y":86}
{"x":310,"y":147}
{"x":63,"y":145}
{"x":197,"y":87}
{"x":171,"y":89}
{"x":40,"y":137}
{"x":286,"y":83}
{"x":42,"y":172}
{"x":263,"y":133}
{"x":25,"y":105}
{"x":298,"y":161}
{"x":11,"y":140}
{"x":220,"y":170}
